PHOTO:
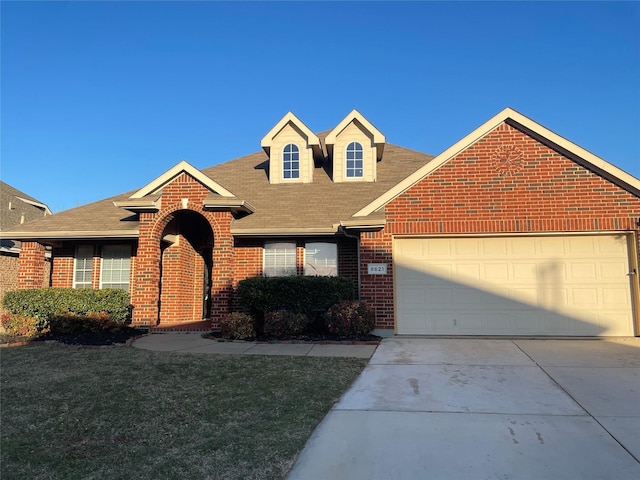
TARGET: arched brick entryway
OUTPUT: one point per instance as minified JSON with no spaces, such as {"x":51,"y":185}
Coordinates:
{"x":186,"y":261}
{"x":184,"y":268}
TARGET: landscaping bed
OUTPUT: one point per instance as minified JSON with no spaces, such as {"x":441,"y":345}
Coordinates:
{"x":119,"y":336}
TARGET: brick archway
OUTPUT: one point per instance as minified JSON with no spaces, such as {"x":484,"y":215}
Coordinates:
{"x":177,"y":248}
{"x":186,"y":261}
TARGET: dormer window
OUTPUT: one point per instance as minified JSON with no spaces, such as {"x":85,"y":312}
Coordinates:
{"x":294,"y":151}
{"x":354,"y":148}
{"x":355,"y":157}
{"x":291,"y":161}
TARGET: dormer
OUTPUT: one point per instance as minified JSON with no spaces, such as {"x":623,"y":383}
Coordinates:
{"x":293,"y":151}
{"x":354,"y":147}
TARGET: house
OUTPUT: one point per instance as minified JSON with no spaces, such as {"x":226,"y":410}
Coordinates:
{"x":513,"y":230}
{"x":16,"y":208}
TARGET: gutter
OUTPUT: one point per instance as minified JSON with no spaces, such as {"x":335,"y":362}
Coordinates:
{"x":342,"y":229}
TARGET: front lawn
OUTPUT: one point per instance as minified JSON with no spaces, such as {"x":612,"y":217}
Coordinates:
{"x":124,"y":413}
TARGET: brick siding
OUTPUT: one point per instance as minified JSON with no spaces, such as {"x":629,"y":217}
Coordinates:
{"x":544,"y":191}
{"x":9,"y":263}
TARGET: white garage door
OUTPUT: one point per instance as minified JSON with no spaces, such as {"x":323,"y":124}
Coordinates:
{"x":530,"y":285}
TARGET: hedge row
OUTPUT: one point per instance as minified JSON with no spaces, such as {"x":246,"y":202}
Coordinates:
{"x":350,"y":318}
{"x":309,"y":295}
{"x":46,"y":303}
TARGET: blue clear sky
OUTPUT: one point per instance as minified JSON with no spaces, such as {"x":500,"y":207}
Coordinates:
{"x":100,"y":98}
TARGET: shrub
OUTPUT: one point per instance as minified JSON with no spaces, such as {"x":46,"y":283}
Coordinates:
{"x":20,"y":325}
{"x":309,"y":295}
{"x":350,"y":318}
{"x":284,"y":323}
{"x":44,"y":303}
{"x":68,"y":322}
{"x":237,"y":326}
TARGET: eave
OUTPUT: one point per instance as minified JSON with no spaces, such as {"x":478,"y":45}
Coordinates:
{"x":215,"y":202}
{"x":70,"y":235}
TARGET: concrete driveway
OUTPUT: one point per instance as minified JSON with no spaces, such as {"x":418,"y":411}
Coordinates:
{"x":485,"y":409}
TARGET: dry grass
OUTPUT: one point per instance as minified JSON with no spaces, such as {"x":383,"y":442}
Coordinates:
{"x":123,"y":413}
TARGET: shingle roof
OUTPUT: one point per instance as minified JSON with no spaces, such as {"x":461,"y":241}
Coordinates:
{"x":318,"y":205}
{"x":286,"y":208}
{"x":13,"y":207}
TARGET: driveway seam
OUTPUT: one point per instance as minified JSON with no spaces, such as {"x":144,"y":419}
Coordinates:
{"x":575,"y":399}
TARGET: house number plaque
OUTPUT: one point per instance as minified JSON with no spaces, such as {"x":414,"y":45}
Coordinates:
{"x":377,"y":268}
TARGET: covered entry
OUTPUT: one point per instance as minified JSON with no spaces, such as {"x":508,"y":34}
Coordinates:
{"x":576,"y":285}
{"x":186,"y":269}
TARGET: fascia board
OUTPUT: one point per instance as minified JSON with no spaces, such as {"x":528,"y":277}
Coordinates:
{"x":378,"y":137}
{"x":66,"y":234}
{"x":312,"y":138}
{"x":36,"y":204}
{"x":283,"y":231}
{"x":173,"y":172}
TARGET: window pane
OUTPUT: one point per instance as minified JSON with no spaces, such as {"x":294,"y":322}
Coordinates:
{"x":116,"y":266}
{"x":83,"y":265}
{"x":279,"y":259}
{"x":321,"y":259}
{"x":290,"y":159}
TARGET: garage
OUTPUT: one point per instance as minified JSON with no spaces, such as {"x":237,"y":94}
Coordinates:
{"x":565,"y":285}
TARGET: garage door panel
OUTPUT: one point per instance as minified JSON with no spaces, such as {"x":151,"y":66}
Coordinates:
{"x":613,"y":246}
{"x":583,"y":271}
{"x":615,"y":297}
{"x":496,"y":272}
{"x":612,"y":270}
{"x":529,"y":285}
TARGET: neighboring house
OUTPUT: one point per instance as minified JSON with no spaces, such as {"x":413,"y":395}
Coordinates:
{"x":513,"y":230}
{"x":16,"y":208}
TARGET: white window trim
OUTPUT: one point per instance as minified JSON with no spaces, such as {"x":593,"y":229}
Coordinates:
{"x":102,"y":266}
{"x":291,"y":179}
{"x":346,"y":168}
{"x":264,"y":257}
{"x":74,"y":283}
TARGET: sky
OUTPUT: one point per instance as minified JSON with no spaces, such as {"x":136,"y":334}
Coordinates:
{"x":100,"y":98}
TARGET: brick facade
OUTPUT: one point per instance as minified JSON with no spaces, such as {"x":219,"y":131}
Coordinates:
{"x":507,"y":182}
{"x":9,"y":265}
{"x":475,"y":193}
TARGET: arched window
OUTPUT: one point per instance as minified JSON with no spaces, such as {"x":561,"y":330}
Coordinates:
{"x":291,"y":161}
{"x":354,"y":160}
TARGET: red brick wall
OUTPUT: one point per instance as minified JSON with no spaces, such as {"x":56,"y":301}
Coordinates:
{"x":31,"y":266}
{"x":9,"y":263}
{"x":543,"y":192}
{"x":146,"y":283}
{"x":182,"y":283}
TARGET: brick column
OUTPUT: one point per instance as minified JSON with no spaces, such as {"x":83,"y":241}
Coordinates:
{"x":31,"y":266}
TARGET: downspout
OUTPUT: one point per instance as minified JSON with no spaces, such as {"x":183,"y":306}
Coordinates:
{"x":343,"y":230}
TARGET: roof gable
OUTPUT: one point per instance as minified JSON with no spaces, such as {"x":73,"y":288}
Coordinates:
{"x":520,"y":122}
{"x":312,"y":139}
{"x":155,"y":185}
{"x":364,"y":124}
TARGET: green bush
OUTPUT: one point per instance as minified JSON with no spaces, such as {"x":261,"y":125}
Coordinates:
{"x":44,"y":303}
{"x":284,"y":324}
{"x":66,"y":323}
{"x":350,"y":318}
{"x":309,"y":295}
{"x":237,"y":326}
{"x":20,"y":325}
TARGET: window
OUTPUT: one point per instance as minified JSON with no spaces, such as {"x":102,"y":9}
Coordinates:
{"x":279,"y":259}
{"x":116,"y":264}
{"x":83,"y":266}
{"x":354,"y":160}
{"x":291,"y":161}
{"x":321,"y":259}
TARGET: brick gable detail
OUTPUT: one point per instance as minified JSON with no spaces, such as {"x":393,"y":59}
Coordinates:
{"x":478,"y":192}
{"x":146,"y":284}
